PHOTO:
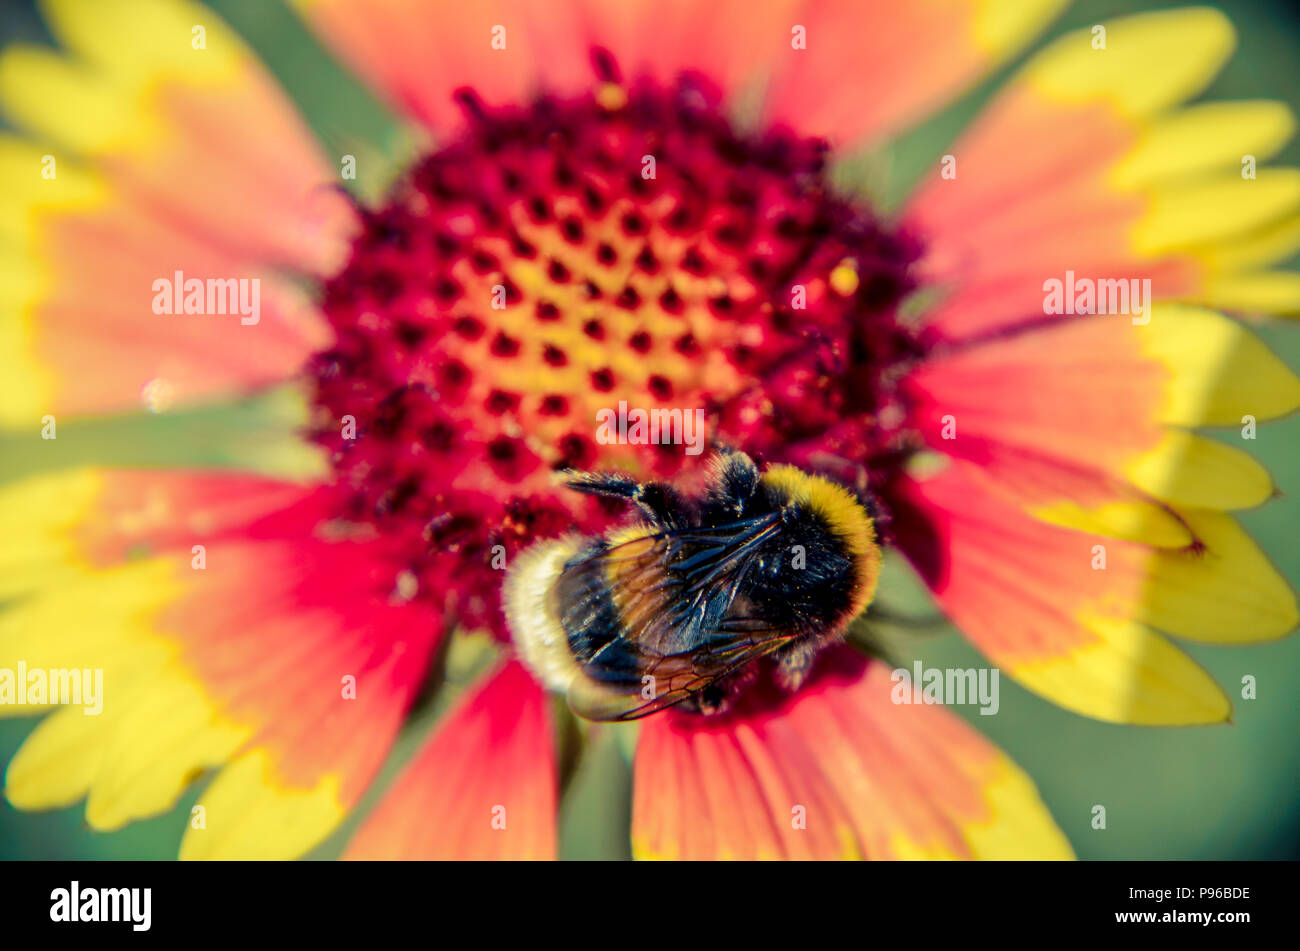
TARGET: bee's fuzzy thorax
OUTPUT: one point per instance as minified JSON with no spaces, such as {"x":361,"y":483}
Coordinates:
{"x":844,"y":516}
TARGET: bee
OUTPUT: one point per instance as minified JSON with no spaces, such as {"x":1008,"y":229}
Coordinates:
{"x":677,"y":605}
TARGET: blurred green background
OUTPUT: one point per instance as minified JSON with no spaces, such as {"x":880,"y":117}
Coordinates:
{"x":1186,"y":793}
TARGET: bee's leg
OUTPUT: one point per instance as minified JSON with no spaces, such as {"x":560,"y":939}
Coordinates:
{"x":718,"y":696}
{"x":658,"y":502}
{"x":713,"y":699}
{"x":794,"y":663}
{"x":737,"y":480}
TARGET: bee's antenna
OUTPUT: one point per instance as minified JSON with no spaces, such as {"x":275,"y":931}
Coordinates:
{"x":658,"y":502}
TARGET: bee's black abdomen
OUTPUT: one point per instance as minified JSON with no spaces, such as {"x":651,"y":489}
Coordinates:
{"x":586,"y":608}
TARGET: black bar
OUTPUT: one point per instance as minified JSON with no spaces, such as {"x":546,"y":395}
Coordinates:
{"x":670,"y":904}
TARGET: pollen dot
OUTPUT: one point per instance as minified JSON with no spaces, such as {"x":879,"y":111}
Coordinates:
{"x":844,"y":278}
{"x":500,"y":402}
{"x":503,"y":346}
{"x":661,"y":387}
{"x":611,"y":97}
{"x":576,"y":452}
{"x":572,"y":230}
{"x":554,"y":405}
{"x":510,"y":459}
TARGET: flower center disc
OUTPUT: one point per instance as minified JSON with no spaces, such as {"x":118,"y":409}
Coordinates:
{"x":556,"y":259}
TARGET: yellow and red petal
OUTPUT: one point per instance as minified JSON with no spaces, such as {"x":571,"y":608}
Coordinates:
{"x":416,"y":54}
{"x":870,"y":68}
{"x":1075,"y":616}
{"x":839,"y":770}
{"x":278,"y":657}
{"x":845,"y":69}
{"x":1080,"y":164}
{"x":156,"y":144}
{"x":185,"y":121}
{"x":482,"y":787}
{"x":76,"y":305}
{"x":1012,"y":405}
{"x":1077,"y":519}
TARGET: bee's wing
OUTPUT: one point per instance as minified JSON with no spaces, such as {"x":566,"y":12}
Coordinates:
{"x":670,"y":587}
{"x":672,"y":591}
{"x":738,"y":641}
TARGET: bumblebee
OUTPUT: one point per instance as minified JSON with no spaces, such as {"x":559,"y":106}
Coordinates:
{"x":676,"y":606}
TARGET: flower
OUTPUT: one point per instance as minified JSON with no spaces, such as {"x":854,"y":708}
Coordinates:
{"x":595,"y":225}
